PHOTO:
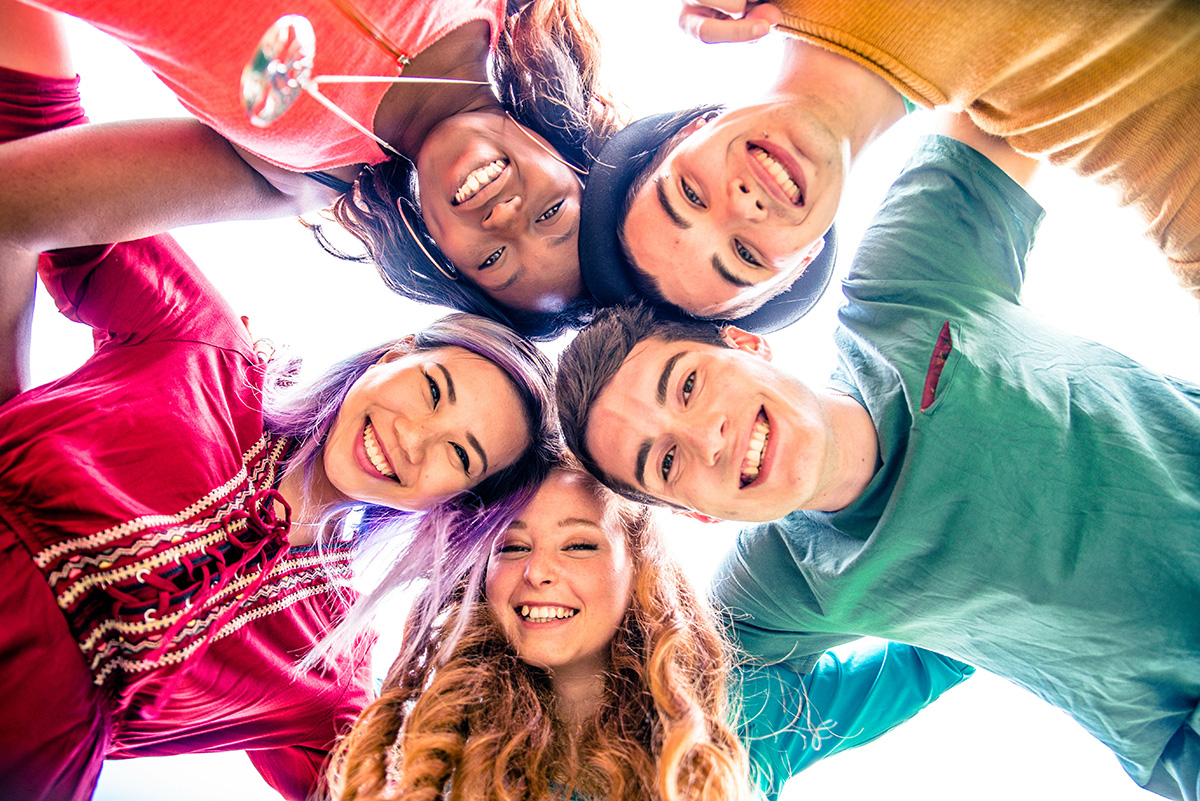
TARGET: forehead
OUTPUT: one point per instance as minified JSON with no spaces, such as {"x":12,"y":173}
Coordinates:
{"x":679,"y":258}
{"x":568,"y":500}
{"x":627,"y":412}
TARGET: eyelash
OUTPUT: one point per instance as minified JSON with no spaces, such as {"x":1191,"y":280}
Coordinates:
{"x":576,"y":546}
{"x":463,"y":457}
{"x":491,"y":259}
{"x":690,"y":194}
{"x":550,"y":212}
{"x":435,"y":392}
{"x":745,"y":255}
{"x":668,"y":460}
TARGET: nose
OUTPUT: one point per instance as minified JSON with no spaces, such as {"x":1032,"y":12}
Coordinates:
{"x":540,"y":568}
{"x":505,"y":216}
{"x":745,"y":200}
{"x":413,"y":441}
{"x":706,"y":436}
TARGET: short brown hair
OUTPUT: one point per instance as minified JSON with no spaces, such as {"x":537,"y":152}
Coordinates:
{"x":589,"y":363}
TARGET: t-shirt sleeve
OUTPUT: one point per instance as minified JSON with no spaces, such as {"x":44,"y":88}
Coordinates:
{"x":133,"y":292}
{"x":850,"y":698}
{"x":127,"y":292}
{"x":953,"y":226}
{"x":762,"y":591}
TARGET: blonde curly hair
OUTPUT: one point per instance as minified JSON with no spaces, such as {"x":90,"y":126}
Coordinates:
{"x":467,"y":719}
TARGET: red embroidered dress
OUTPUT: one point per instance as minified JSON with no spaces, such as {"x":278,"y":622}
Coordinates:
{"x":149,"y":602}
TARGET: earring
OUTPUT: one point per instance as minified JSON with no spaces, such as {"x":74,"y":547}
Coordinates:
{"x":447,"y":269}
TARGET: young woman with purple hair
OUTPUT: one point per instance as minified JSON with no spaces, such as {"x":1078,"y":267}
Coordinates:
{"x":174,"y":520}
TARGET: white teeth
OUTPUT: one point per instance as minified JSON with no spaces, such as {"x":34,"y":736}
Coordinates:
{"x":778,"y":172}
{"x":375,"y":453}
{"x":478,"y":179}
{"x":540,"y":614}
{"x":754,"y":452}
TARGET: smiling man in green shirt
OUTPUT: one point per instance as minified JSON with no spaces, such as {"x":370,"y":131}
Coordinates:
{"x":972,"y":481}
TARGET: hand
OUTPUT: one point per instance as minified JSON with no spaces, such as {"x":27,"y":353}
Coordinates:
{"x":728,"y":20}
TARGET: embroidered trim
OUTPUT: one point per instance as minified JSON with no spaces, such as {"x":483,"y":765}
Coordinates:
{"x":93,"y":541}
{"x":167,"y":586}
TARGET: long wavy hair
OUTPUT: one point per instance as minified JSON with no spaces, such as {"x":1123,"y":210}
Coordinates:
{"x":461,"y":716}
{"x":427,"y":552}
{"x":545,"y":71}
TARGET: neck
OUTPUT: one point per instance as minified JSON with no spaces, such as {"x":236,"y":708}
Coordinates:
{"x":577,"y":695}
{"x":853,"y":102}
{"x":855,"y":453}
{"x":409,"y":111}
{"x":307,"y":501}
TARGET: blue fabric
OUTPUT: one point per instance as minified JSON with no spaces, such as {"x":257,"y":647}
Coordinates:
{"x":1040,"y":518}
{"x":789,"y":720}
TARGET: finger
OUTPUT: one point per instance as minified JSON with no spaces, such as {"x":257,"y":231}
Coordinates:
{"x":733,"y":8}
{"x":712,"y":29}
{"x":765,"y":12}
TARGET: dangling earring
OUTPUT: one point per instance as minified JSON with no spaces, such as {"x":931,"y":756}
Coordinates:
{"x":447,"y":269}
{"x":553,"y":153}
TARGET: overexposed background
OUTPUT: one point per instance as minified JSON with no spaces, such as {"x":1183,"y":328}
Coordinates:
{"x":1091,"y":273}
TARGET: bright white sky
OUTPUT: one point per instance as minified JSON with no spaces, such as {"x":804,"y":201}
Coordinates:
{"x":1091,"y":272}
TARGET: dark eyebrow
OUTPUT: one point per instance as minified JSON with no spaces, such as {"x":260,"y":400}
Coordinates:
{"x":724,"y":272}
{"x":449,"y":382}
{"x":665,"y":378}
{"x":660,"y":189}
{"x":478,"y":449}
{"x":661,"y":396}
{"x":642,"y":454}
{"x":566,"y":237}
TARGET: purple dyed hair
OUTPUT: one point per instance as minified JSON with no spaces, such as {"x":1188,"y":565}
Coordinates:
{"x":443,"y":544}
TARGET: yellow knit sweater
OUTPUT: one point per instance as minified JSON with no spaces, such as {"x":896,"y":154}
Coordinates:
{"x":1110,"y":88}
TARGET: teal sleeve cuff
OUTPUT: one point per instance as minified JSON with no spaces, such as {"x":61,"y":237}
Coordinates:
{"x":852,"y":697}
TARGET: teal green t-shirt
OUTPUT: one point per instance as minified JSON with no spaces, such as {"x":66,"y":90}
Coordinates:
{"x":1036,"y":508}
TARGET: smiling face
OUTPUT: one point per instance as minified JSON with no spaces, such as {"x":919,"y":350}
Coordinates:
{"x":503,"y":209}
{"x":419,"y":427}
{"x":737,"y":209}
{"x":716,"y":430}
{"x":559,"y":581}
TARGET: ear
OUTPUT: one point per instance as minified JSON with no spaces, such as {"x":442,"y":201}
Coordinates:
{"x":697,"y":516}
{"x":402,"y":348}
{"x":744,"y":340}
{"x":814,"y":251}
{"x":699,"y":122}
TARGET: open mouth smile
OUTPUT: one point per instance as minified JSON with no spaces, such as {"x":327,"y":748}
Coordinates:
{"x":755,"y":450}
{"x":545,"y":613}
{"x":477,"y":180}
{"x":375,"y":453}
{"x":788,"y":183}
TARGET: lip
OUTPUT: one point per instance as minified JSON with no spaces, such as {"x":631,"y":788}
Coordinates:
{"x":364,"y":461}
{"x":485,"y":195}
{"x":768,"y":182}
{"x":764,"y":467}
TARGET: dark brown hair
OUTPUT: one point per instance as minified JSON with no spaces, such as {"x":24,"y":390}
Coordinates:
{"x":589,"y":363}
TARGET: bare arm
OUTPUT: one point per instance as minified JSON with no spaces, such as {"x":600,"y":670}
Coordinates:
{"x":112,"y":182}
{"x":31,"y":40}
{"x":1019,"y":167}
